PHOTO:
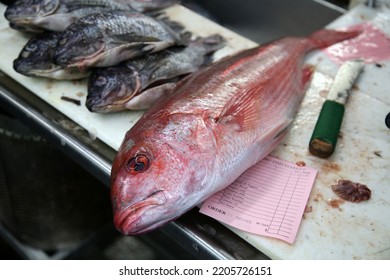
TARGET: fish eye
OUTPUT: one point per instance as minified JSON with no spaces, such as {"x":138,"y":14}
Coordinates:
{"x":138,"y":163}
{"x":32,"y":47}
{"x":101,"y":81}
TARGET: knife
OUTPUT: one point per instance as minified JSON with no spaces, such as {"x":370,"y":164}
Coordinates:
{"x":326,"y":131}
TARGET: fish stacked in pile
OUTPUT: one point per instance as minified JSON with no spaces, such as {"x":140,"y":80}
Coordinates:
{"x":131,"y":53}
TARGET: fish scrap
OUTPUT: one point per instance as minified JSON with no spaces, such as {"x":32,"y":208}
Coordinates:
{"x":351,"y":191}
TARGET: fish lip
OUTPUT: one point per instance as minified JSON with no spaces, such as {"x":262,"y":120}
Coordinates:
{"x":130,"y":215}
{"x":104,"y":108}
{"x":38,"y":72}
{"x":96,"y":108}
{"x":17,"y":20}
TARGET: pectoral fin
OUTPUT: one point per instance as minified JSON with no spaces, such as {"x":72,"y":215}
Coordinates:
{"x":244,"y":108}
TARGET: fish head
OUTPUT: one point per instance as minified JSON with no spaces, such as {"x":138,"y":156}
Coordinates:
{"x":160,"y":173}
{"x":36,"y":55}
{"x":26,"y":11}
{"x":110,"y":88}
{"x":79,"y":42}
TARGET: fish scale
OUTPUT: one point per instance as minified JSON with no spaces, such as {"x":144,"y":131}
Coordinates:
{"x":138,"y":83}
{"x":119,"y":24}
{"x":222,"y":120}
{"x":106,"y":39}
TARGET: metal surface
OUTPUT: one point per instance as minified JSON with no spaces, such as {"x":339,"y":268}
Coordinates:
{"x":69,"y":137}
{"x":262,"y":21}
{"x":27,"y":252}
{"x":96,"y":157}
{"x":208,"y":239}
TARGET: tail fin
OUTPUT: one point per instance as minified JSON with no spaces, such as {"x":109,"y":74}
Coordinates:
{"x":184,"y":36}
{"x":324,"y":38}
{"x":213,"y":42}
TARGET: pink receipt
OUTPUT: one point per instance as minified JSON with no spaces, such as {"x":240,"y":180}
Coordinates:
{"x":268,"y":199}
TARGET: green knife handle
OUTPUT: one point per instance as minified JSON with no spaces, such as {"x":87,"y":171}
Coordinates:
{"x":324,"y":138}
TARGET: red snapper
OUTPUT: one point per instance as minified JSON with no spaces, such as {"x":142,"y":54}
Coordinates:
{"x":216,"y":124}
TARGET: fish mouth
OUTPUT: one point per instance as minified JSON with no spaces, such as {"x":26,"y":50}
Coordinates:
{"x":126,"y":220}
{"x":21,"y":21}
{"x":43,"y":72}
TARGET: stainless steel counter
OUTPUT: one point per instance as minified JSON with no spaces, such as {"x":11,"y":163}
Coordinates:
{"x":204,"y":237}
{"x":201,"y":236}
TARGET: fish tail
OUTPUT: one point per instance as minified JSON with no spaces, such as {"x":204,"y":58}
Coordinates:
{"x":213,"y":42}
{"x":178,"y":30}
{"x":324,"y":38}
{"x":174,"y":25}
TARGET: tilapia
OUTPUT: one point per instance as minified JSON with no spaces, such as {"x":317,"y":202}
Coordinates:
{"x":106,"y":39}
{"x":56,"y":15}
{"x":113,"y":88}
{"x":36,"y":59}
{"x":212,"y":127}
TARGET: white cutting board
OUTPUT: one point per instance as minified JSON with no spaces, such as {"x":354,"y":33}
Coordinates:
{"x":110,"y":128}
{"x":350,"y":231}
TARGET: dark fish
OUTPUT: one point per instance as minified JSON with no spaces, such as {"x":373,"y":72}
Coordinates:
{"x":36,"y":59}
{"x":105,"y":39}
{"x":113,"y":88}
{"x":56,"y":15}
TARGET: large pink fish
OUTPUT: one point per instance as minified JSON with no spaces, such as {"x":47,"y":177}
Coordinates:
{"x":216,"y":124}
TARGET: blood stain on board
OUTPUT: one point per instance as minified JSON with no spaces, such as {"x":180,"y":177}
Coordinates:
{"x":324,"y":93}
{"x":335,"y":202}
{"x":331,"y":167}
{"x":308,"y":209}
{"x":318,"y":197}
